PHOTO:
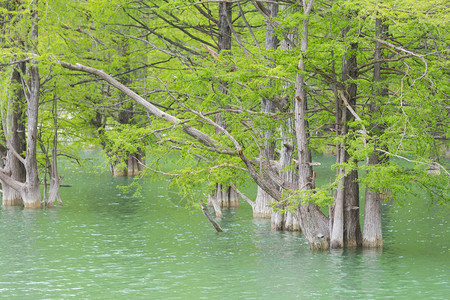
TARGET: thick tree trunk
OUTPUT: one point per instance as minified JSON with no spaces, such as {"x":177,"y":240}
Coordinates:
{"x":372,"y":232}
{"x":136,"y":162}
{"x":352,"y":227}
{"x":283,"y":219}
{"x":262,"y":208}
{"x":29,"y":190}
{"x":225,"y":14}
{"x":31,"y":194}
{"x":13,"y":128}
{"x":313,"y":223}
{"x":372,"y":236}
{"x":223,"y":197}
{"x":346,"y":228}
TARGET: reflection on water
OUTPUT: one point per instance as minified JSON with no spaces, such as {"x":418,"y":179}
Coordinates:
{"x":104,"y":244}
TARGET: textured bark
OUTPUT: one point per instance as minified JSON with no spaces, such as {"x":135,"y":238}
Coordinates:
{"x":346,"y":228}
{"x":372,"y":231}
{"x":214,"y":202}
{"x":135,"y":163}
{"x":55,"y":180}
{"x":283,"y":219}
{"x":337,"y":231}
{"x":31,"y":194}
{"x":313,"y":223}
{"x":225,"y":19}
{"x":352,"y":226}
{"x":223,"y":196}
{"x":262,"y":208}
{"x":13,"y":128}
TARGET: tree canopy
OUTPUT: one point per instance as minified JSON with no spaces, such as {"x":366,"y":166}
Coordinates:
{"x":190,"y":80}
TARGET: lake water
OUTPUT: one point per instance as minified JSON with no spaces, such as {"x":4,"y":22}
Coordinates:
{"x":103,"y":244}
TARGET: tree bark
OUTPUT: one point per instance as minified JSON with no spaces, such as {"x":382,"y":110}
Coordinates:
{"x":346,"y":228}
{"x":262,"y":208}
{"x":282,"y":218}
{"x":223,"y":196}
{"x":55,"y":180}
{"x":313,"y":223}
{"x":14,"y":131}
{"x":31,"y":193}
{"x":372,"y":232}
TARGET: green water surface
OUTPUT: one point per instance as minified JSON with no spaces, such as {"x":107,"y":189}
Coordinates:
{"x":103,"y":244}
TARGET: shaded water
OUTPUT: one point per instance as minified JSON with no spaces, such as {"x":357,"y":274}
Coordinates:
{"x":106,"y":245}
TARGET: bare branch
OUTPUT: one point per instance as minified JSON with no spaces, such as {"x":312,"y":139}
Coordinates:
{"x":432,"y":165}
{"x":252,"y":203}
{"x":195,"y":133}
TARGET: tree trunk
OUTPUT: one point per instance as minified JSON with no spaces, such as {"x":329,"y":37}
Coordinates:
{"x":223,"y":196}
{"x":136,"y":162}
{"x":337,"y":230}
{"x":283,"y":219}
{"x":225,"y":14}
{"x":372,"y":232}
{"x":313,"y":223}
{"x":372,"y":236}
{"x":31,"y":193}
{"x":133,"y":164}
{"x":13,"y":127}
{"x":55,"y":180}
{"x":346,"y":228}
{"x":129,"y":163}
{"x":262,"y":208}
{"x":352,"y":226}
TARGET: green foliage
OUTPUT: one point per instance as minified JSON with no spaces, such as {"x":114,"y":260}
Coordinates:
{"x":165,"y":51}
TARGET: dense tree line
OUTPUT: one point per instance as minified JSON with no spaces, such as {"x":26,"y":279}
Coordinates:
{"x":236,"y":91}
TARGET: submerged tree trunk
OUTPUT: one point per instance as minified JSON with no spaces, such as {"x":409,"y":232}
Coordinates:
{"x":346,"y":228}
{"x":128,"y":163}
{"x":29,"y":190}
{"x":31,"y":194}
{"x":372,"y":232}
{"x":313,"y":223}
{"x":14,"y":130}
{"x":337,"y":225}
{"x":262,"y":208}
{"x":282,"y":218}
{"x":352,"y":227}
{"x":55,"y":180}
{"x":223,"y":196}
